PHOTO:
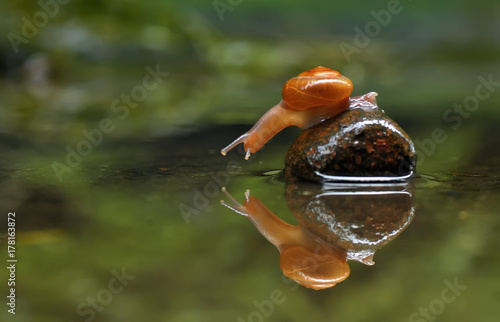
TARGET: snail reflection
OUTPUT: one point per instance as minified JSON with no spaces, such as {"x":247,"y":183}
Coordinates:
{"x":337,"y":223}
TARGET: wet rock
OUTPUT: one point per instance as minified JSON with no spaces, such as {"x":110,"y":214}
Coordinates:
{"x":359,"y":143}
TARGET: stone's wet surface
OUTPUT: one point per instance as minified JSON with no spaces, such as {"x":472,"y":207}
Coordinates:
{"x":362,"y":141}
{"x":355,"y":217}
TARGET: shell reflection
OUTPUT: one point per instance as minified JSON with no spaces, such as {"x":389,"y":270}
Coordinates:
{"x":338,"y":223}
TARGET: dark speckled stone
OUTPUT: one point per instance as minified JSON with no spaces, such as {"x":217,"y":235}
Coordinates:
{"x":361,"y":142}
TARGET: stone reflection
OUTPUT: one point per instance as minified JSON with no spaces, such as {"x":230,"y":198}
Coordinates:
{"x":338,"y":223}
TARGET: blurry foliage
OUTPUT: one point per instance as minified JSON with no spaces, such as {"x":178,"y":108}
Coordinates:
{"x":232,"y":70}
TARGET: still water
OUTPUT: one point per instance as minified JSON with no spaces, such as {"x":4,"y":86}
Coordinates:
{"x":137,"y":232}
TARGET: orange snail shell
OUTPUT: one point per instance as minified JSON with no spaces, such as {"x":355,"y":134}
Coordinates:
{"x":319,"y":86}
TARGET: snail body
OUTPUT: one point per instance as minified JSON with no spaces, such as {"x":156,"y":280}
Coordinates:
{"x":308,"y":99}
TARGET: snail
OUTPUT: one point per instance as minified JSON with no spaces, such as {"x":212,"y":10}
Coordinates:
{"x":308,"y":99}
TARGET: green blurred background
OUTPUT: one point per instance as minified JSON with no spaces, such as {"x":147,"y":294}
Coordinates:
{"x":120,"y":206}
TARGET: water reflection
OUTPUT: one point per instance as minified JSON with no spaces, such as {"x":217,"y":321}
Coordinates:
{"x":338,"y":223}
